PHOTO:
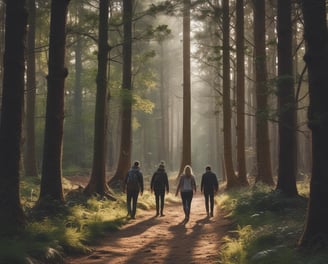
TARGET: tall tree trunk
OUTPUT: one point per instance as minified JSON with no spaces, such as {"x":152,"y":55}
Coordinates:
{"x":186,"y":127}
{"x":97,"y":183}
{"x":264,"y":170}
{"x":230,"y":173}
{"x":271,"y":62}
{"x":30,"y":155}
{"x":12,"y":216}
{"x":286,"y":102}
{"x":240,"y":92}
{"x":124,"y":161}
{"x":79,"y":146}
{"x":164,"y":97}
{"x":315,"y":234}
{"x":2,"y":40}
{"x":51,"y":181}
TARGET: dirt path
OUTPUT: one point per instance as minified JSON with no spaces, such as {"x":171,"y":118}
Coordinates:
{"x":165,"y":240}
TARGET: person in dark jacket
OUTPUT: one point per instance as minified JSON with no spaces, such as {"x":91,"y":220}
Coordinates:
{"x":158,"y":184}
{"x":209,"y":186}
{"x":133,"y":185}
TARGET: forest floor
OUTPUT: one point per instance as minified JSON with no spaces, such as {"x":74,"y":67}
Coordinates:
{"x":163,"y":240}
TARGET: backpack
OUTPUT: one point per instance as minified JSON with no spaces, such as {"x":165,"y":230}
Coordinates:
{"x":159,"y":183}
{"x":132,"y":182}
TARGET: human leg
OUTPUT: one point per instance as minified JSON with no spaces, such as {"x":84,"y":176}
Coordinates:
{"x":128,"y":202}
{"x":212,"y":203}
{"x":184,"y":202}
{"x":157,"y":202}
{"x":162,"y":196}
{"x":206,"y":204}
{"x":189,"y":199}
{"x":134,"y":204}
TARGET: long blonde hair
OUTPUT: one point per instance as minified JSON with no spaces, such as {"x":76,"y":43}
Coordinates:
{"x":187,"y":171}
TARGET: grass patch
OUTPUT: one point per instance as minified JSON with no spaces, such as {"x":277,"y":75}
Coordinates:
{"x":268,"y":226}
{"x":72,"y":230}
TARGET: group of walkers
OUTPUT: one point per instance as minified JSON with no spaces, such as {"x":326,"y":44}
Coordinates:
{"x":159,"y":185}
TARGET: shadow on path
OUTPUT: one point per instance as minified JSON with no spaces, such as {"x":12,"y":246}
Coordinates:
{"x":163,"y":240}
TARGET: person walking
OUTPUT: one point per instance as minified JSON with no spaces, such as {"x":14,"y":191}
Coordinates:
{"x":209,"y":186}
{"x":158,"y":184}
{"x":133,"y":185}
{"x":186,"y":187}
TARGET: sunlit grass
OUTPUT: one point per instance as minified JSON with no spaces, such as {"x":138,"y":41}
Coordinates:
{"x":268,"y":226}
{"x":146,"y":201}
{"x":71,"y":231}
{"x":233,"y":249}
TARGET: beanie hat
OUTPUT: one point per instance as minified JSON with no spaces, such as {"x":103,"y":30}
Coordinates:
{"x":162,"y":164}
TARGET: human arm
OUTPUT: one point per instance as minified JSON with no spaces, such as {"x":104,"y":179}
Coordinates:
{"x":141,"y":182}
{"x":194,"y":184}
{"x":167,"y":183}
{"x":179,"y":186}
{"x":202,"y":184}
{"x":216,"y":183}
{"x":152,"y":182}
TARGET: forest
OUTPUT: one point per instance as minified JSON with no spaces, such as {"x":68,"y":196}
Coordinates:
{"x":89,"y":86}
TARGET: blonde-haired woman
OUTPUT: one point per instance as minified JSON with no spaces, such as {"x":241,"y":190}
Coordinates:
{"x":186,"y":187}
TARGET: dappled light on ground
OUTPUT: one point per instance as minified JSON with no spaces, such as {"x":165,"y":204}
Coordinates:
{"x":150,"y":239}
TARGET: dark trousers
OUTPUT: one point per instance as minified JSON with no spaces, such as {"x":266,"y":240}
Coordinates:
{"x":159,"y":199}
{"x":131,"y":202}
{"x":209,"y":201}
{"x":186,"y":202}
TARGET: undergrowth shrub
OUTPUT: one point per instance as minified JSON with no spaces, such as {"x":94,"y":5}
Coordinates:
{"x":59,"y":230}
{"x":269,"y":227}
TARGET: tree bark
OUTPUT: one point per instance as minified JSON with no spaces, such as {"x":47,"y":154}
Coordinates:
{"x":2,"y":39}
{"x":97,"y":183}
{"x":12,"y":216}
{"x":315,"y":235}
{"x":240,"y":50}
{"x":78,"y":126}
{"x":264,"y":170}
{"x":286,"y":102}
{"x":51,"y":180}
{"x":186,"y":122}
{"x":164,"y":98}
{"x":30,"y":155}
{"x":230,"y":173}
{"x":124,"y":161}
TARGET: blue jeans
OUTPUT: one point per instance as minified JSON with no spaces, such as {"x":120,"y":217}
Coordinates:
{"x":186,"y":202}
